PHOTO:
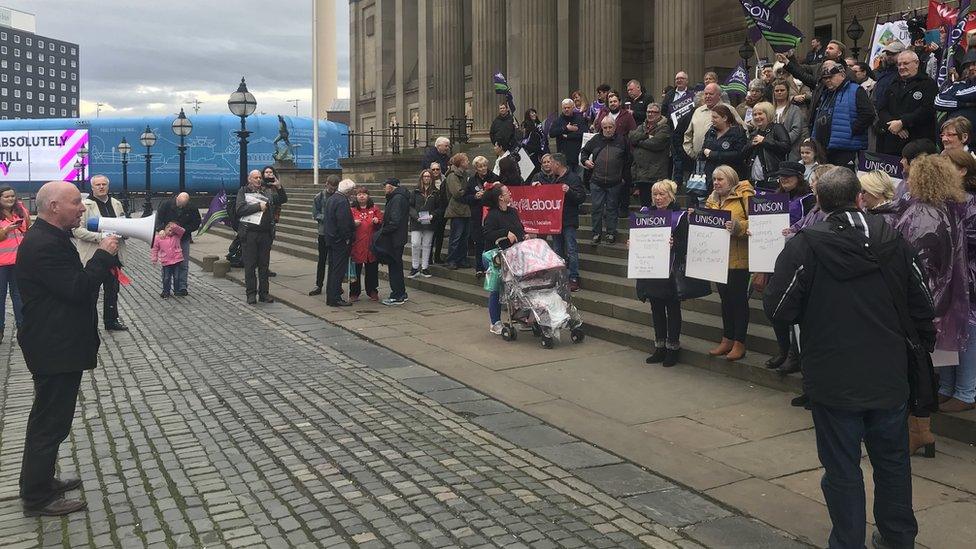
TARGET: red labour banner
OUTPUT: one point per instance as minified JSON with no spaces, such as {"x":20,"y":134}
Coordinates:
{"x":540,"y":208}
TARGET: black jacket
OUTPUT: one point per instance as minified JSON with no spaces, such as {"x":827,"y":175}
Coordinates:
{"x":913,"y":102}
{"x":726,"y":149}
{"x":830,"y":279}
{"x":188,"y":217}
{"x":60,"y":329}
{"x":276,"y":197}
{"x":638,"y":107}
{"x":611,"y":158}
{"x":665,"y":288}
{"x":420,"y":203}
{"x":475,"y":184}
{"x":396,"y":218}
{"x":573,"y":199}
{"x":497,"y":226}
{"x":339,"y":226}
{"x":430,"y":156}
{"x":567,"y":142}
{"x":503,"y":131}
{"x":773,"y":150}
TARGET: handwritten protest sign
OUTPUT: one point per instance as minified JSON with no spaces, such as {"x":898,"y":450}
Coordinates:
{"x":769,"y":214}
{"x":708,"y":245}
{"x":649,"y":255}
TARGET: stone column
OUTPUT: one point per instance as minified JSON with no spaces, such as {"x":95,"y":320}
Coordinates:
{"x":487,"y":57}
{"x":679,"y":40}
{"x":599,"y":45}
{"x":355,"y":66}
{"x":802,"y":13}
{"x":447,"y":63}
{"x":538,"y":61}
{"x":423,"y":59}
{"x":325,"y":34}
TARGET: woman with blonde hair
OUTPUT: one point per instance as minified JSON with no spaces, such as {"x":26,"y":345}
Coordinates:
{"x":767,"y":144}
{"x":478,"y":185}
{"x":663,"y":293}
{"x":877,"y":189}
{"x":932,"y":224}
{"x":732,"y":195}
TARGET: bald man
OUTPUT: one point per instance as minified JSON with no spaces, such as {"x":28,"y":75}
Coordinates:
{"x":59,"y":337}
{"x":179,"y":211}
{"x":256,"y":203}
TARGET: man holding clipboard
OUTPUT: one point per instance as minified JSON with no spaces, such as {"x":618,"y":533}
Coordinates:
{"x":255,"y":206}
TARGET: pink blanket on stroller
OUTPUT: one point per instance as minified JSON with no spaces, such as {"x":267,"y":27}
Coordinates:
{"x":531,"y":256}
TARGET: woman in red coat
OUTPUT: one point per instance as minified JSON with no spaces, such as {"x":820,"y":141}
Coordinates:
{"x":367,"y":217}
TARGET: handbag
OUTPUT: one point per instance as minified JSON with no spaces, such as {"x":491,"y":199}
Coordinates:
{"x":689,"y":288}
{"x":697,"y":183}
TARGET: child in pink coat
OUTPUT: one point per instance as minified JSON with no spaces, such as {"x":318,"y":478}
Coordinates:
{"x":167,"y":251}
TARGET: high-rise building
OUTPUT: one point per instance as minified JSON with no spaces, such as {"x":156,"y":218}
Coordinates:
{"x":39,"y":76}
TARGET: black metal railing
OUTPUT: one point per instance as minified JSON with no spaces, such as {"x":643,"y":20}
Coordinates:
{"x":396,"y":138}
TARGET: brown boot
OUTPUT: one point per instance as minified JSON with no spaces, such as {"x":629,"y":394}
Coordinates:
{"x":723,"y":347}
{"x":954,"y":406}
{"x":920,"y":436}
{"x":738,"y":351}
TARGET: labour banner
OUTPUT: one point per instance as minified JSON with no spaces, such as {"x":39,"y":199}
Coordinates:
{"x":41,"y":155}
{"x":769,"y":214}
{"x":708,"y":245}
{"x":768,"y":19}
{"x":540,"y":208}
{"x":649,"y":253}
{"x":941,"y":15}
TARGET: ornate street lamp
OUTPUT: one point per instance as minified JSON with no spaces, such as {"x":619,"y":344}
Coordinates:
{"x":745,"y":52}
{"x":78,"y":179}
{"x":82,"y":155}
{"x":124,"y":149}
{"x":242,"y":103}
{"x":855,"y":31}
{"x":148,"y":139}
{"x":182,"y":127}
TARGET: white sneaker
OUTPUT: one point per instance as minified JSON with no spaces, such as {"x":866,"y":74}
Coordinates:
{"x":496,"y":328}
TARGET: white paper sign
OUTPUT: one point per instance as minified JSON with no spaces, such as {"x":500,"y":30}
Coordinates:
{"x":649,"y":253}
{"x":708,"y":246}
{"x":525,"y":165}
{"x":768,"y":216}
{"x":254,"y":198}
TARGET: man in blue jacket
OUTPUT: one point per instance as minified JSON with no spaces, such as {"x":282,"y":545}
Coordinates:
{"x":339,"y":230}
{"x":959,"y":99}
{"x":609,"y":156}
{"x":568,"y":130}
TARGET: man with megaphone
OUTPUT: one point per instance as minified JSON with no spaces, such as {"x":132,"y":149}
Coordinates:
{"x":100,"y":204}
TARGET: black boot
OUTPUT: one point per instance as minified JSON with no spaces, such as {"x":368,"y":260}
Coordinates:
{"x":792,"y":364}
{"x":776,"y":361}
{"x":657,"y":357}
{"x":671,"y":358}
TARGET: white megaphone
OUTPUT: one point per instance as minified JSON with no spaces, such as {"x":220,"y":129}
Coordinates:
{"x":142,"y":228}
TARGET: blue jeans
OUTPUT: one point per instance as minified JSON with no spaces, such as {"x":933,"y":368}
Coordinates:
{"x":960,"y":381}
{"x":885,"y":435}
{"x":171,"y":277}
{"x":494,"y":307}
{"x":457,"y":248}
{"x":184,"y":272}
{"x":567,"y":248}
{"x":8,"y":280}
{"x":605,"y":200}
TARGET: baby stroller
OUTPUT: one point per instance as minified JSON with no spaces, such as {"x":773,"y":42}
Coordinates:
{"x":536,"y":292}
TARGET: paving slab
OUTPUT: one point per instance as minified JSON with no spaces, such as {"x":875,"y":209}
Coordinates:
{"x":576,"y":455}
{"x":739,"y":533}
{"x":623,"y":479}
{"x":676,"y":507}
{"x":771,"y":457}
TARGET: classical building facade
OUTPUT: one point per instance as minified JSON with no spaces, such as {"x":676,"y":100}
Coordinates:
{"x":429,"y":60}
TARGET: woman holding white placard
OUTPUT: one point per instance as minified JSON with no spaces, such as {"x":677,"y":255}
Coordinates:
{"x":732,"y":195}
{"x":663,"y":293}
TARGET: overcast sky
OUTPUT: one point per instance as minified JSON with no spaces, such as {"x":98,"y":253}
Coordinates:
{"x":142,"y":57}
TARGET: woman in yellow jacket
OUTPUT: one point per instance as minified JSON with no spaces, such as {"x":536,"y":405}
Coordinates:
{"x":732,"y":195}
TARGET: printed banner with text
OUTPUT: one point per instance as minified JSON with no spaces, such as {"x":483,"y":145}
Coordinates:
{"x":540,"y":208}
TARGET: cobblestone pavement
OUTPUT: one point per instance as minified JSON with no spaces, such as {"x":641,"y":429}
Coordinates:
{"x":213,"y":423}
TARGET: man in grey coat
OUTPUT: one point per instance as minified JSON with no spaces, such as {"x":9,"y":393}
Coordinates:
{"x":318,"y":214}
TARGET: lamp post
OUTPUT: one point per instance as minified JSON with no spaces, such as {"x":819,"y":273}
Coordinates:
{"x":182,"y":127}
{"x":746,"y":52}
{"x":82,"y":155}
{"x":148,"y":139}
{"x":855,"y":31}
{"x":242,"y":103}
{"x":124,"y":149}
{"x":77,"y":166}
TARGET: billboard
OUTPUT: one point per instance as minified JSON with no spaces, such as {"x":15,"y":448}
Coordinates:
{"x":40,"y":155}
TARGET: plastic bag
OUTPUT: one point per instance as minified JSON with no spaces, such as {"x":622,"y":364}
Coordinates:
{"x":493,"y":274}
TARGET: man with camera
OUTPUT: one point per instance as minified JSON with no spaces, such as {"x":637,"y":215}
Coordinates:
{"x":256,"y":203}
